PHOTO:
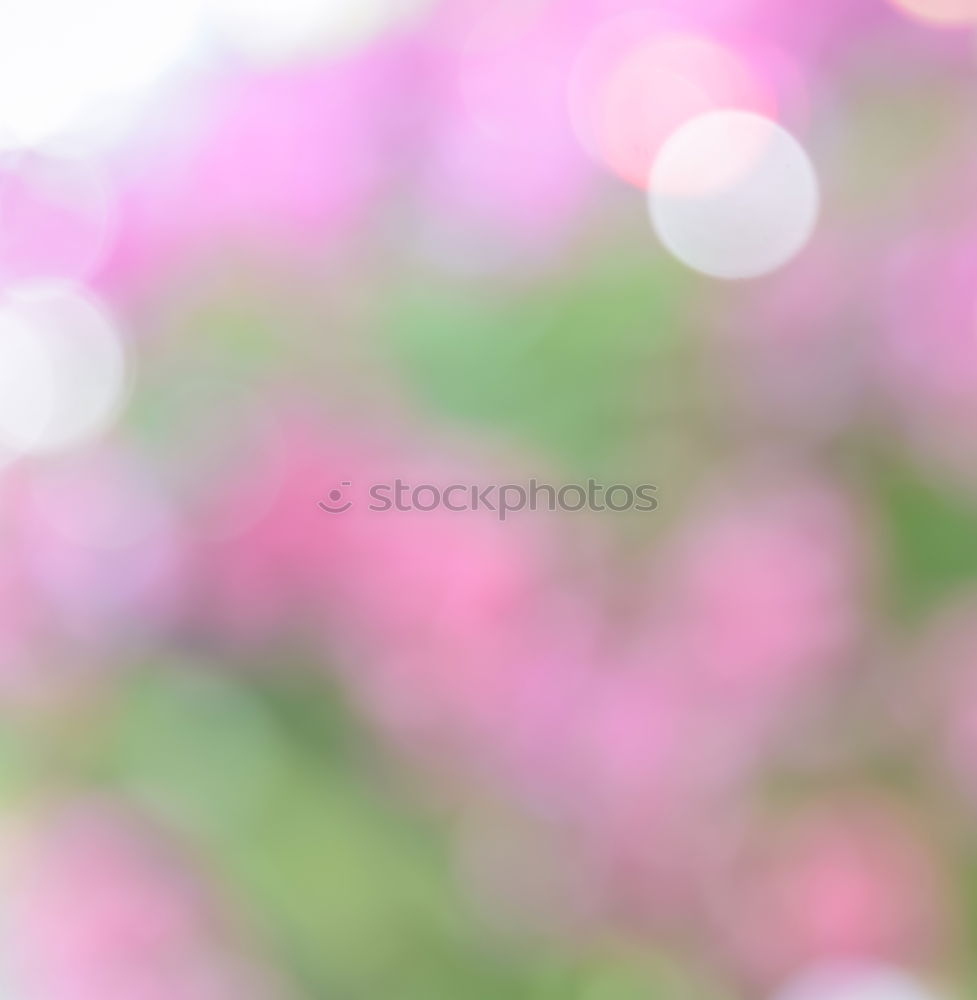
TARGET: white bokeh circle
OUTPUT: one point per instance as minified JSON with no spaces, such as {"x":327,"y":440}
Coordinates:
{"x":62,"y":371}
{"x":733,"y":194}
{"x":855,"y":981}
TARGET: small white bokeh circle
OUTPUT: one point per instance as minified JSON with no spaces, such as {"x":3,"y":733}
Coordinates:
{"x":733,"y":195}
{"x":855,"y":981}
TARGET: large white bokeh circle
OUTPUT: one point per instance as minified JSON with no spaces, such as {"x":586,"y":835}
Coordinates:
{"x":733,"y":195}
{"x":62,"y":371}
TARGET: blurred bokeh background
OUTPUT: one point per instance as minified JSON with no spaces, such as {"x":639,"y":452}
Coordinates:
{"x":256,"y":251}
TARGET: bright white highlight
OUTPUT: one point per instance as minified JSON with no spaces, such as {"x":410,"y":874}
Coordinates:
{"x":733,"y":195}
{"x":62,"y":372}
{"x":68,"y":66}
{"x":855,"y":982}
{"x":284,"y":29}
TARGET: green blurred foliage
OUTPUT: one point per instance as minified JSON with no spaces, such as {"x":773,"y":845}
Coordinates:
{"x":349,"y":888}
{"x":583,"y":370}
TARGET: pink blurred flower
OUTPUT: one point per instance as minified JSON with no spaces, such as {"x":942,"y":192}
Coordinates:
{"x":268,"y":560}
{"x":274,"y":165}
{"x":936,"y":707}
{"x":502,"y":171}
{"x":752,"y":617}
{"x":796,"y":355}
{"x":459,"y":639}
{"x":58,"y":218}
{"x":101,"y":908}
{"x":94,"y":558}
{"x":761,"y":597}
{"x":927,"y":350}
{"x":848,"y":881}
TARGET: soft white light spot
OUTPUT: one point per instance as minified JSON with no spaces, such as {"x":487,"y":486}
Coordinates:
{"x":855,"y":982}
{"x":67,"y":66}
{"x":733,"y":195}
{"x":284,"y":29}
{"x":26,"y":385}
{"x":62,"y":372}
